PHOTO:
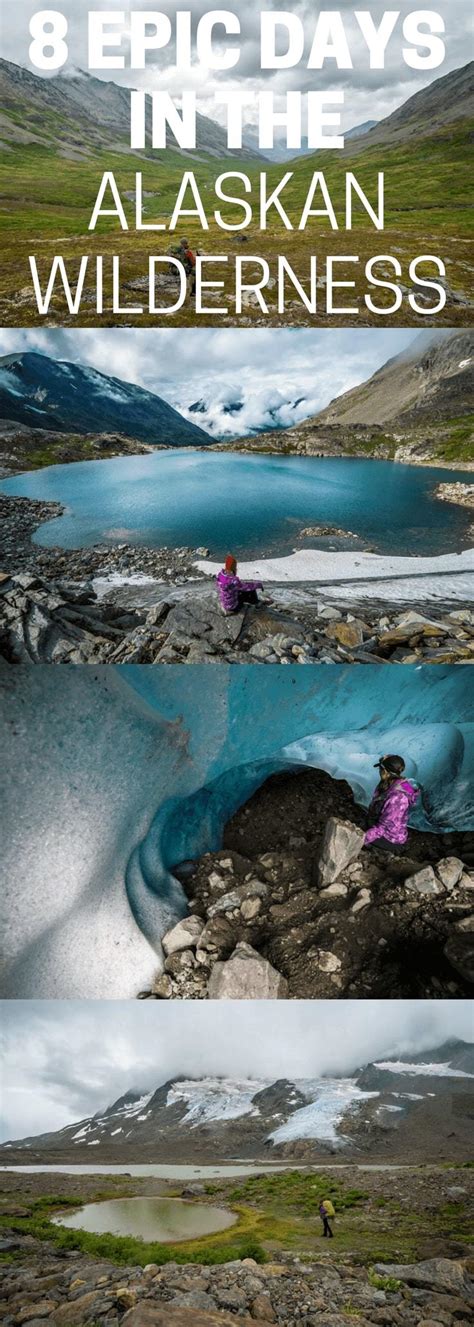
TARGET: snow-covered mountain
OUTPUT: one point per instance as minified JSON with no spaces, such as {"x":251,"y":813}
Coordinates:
{"x":398,"y":1100}
{"x":46,"y":393}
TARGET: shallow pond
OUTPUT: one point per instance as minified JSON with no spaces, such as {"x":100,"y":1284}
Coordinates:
{"x":252,"y":505}
{"x":163,"y":1219}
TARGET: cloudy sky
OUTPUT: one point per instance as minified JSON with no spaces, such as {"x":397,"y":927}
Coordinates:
{"x":368,"y":94}
{"x":64,"y":1060}
{"x":268,"y":370}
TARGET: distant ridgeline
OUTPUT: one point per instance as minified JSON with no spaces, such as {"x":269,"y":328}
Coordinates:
{"x":227,"y":203}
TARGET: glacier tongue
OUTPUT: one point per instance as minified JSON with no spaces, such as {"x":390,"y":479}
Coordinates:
{"x":320,"y":1119}
{"x":216,"y":1099}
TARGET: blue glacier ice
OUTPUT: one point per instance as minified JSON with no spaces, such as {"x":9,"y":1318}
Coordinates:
{"x":113,"y":776}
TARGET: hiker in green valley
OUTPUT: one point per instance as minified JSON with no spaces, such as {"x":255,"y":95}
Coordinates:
{"x":188,"y":259}
{"x":327,"y":1214}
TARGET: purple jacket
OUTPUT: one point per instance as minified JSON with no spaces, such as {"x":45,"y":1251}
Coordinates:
{"x":229,"y":587}
{"x":392,"y":809}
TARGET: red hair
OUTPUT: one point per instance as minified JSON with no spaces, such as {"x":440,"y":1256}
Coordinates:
{"x":230,"y":564}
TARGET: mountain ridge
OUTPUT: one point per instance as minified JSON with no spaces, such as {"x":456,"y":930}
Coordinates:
{"x":417,"y":407}
{"x":40,"y":392}
{"x":79,"y":114}
{"x":416,"y":1100}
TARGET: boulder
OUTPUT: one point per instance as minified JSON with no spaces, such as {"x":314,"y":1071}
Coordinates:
{"x":342,"y":843}
{"x":450,"y":870}
{"x":42,"y":1309}
{"x":250,"y":908}
{"x":348,"y":634}
{"x":423,"y":882}
{"x":261,"y":1309}
{"x":246,"y":976}
{"x":184,"y":935}
{"x":438,"y":1274}
{"x":218,"y":935}
{"x":170,"y":1315}
{"x":76,"y":1312}
{"x":162,"y":987}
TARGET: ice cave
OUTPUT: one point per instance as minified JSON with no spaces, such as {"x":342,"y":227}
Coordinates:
{"x":113,"y":776}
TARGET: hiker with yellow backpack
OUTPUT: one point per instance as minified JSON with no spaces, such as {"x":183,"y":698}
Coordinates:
{"x":327,"y":1214}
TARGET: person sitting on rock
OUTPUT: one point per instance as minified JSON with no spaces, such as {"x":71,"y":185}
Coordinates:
{"x":391,"y":804}
{"x":234,"y":593}
{"x":327,"y":1214}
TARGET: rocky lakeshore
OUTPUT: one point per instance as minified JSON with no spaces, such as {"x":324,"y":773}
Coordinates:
{"x":461,"y":494}
{"x":295,"y":907}
{"x":129,"y":604}
{"x":173,"y":619}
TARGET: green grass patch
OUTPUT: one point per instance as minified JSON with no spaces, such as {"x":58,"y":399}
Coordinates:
{"x":240,"y":1241}
{"x":383,"y":1282}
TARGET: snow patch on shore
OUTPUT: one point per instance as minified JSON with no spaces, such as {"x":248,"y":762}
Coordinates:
{"x":366,"y":575}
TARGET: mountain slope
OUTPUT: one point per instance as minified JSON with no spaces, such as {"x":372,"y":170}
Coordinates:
{"x":427,"y":382}
{"x":77,"y":114}
{"x":446,"y":100}
{"x":417,"y":1101}
{"x":51,"y":394}
{"x":418,"y":407}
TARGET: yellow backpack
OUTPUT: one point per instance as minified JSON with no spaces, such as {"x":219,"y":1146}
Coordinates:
{"x":328,"y":1207}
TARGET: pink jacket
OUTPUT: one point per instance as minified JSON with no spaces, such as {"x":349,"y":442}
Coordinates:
{"x":392,"y":809}
{"x":229,"y":588}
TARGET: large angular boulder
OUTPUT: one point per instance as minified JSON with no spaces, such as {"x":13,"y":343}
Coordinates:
{"x":342,"y":843}
{"x":450,"y":870}
{"x":424,"y":882}
{"x":202,"y":619}
{"x":246,"y":976}
{"x":184,"y":935}
{"x":169,"y":1315}
{"x":439,"y":1274}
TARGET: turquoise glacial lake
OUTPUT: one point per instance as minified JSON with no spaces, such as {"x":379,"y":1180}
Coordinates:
{"x":250,"y":505}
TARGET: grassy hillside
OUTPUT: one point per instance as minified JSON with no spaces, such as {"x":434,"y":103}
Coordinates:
{"x":448,"y":442}
{"x":47,"y":206}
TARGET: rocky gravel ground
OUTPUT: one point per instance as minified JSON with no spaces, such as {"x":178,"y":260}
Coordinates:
{"x":125,"y":604}
{"x":69,"y":1289}
{"x":64,"y":621}
{"x":316,"y":915}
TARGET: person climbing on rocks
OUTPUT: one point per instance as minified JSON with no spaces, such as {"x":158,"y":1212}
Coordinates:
{"x":234,"y":593}
{"x":391,"y":804}
{"x":327,"y":1214}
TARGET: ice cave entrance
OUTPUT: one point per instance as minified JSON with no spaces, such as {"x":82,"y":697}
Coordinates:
{"x":161,"y":1220}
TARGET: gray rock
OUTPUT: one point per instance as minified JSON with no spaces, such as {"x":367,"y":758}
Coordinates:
{"x":184,"y":935}
{"x":450,"y":870}
{"x":246,"y":976}
{"x":342,"y":843}
{"x":439,"y":1274}
{"x":423,"y":882}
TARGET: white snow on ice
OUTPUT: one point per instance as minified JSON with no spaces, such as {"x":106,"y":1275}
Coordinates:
{"x":321,"y":1118}
{"x":366,"y":575}
{"x":216,"y":1098}
{"x":424,"y":1070}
